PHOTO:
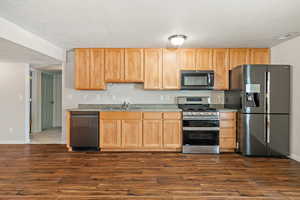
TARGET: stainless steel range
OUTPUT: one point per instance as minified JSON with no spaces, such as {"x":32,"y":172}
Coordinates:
{"x":200,"y":125}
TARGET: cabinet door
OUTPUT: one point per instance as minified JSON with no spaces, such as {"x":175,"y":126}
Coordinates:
{"x":153,"y":68}
{"x":170,"y":69}
{"x":220,"y":63}
{"x":114,"y":65}
{"x":239,"y":56}
{"x":204,"y":59}
{"x":152,"y":133}
{"x":131,"y":133}
{"x":134,"y":65}
{"x":97,"y":69}
{"x":187,"y":59}
{"x":260,"y":56}
{"x":82,"y":69}
{"x":172,"y":134}
{"x":110,"y":133}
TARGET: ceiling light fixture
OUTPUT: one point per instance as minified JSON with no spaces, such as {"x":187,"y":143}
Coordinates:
{"x":177,"y":40}
{"x":287,"y":35}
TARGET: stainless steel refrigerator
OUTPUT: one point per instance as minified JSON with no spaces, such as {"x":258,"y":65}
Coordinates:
{"x":262,"y":92}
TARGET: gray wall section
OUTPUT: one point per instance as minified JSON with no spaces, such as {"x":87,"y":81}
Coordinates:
{"x":117,"y":93}
{"x":288,"y":53}
{"x":14,"y":102}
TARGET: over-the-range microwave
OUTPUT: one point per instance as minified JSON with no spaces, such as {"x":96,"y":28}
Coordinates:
{"x":197,"y":80}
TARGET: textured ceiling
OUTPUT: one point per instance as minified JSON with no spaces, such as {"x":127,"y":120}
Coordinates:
{"x":148,"y":23}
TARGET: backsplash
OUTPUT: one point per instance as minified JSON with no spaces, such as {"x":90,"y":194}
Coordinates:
{"x":118,"y":92}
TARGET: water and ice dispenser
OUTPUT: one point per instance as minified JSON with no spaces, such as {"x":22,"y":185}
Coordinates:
{"x":252,"y":95}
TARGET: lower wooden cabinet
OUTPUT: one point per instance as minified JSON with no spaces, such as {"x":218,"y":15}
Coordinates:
{"x":172,"y":133}
{"x":227,"y":131}
{"x":137,"y":131}
{"x":131,"y":133}
{"x":110,"y":136}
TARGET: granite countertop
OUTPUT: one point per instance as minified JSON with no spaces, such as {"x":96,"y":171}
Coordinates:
{"x":140,"y":108}
{"x":131,"y":108}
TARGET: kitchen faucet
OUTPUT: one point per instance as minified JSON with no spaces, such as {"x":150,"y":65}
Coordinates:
{"x":125,"y":105}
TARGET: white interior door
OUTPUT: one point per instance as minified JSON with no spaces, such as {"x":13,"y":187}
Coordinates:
{"x":47,"y":100}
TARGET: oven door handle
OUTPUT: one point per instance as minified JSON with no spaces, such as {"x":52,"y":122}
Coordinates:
{"x":201,"y":128}
{"x":200,"y":118}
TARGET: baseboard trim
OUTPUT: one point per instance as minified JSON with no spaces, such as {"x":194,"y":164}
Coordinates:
{"x":12,"y":142}
{"x":295,"y":157}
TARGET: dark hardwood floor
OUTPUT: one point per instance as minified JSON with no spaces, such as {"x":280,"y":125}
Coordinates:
{"x":50,"y":172}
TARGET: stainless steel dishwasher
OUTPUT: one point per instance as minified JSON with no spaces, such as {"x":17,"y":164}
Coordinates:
{"x":84,"y":129}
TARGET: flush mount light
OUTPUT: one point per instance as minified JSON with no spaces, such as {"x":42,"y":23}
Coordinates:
{"x":177,"y":40}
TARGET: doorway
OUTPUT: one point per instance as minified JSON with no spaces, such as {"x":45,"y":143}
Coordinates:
{"x":46,"y":107}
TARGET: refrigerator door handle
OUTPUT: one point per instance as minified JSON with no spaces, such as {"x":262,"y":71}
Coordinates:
{"x":268,"y":129}
{"x":268,"y":89}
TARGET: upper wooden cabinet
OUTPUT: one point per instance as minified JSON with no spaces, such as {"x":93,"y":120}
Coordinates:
{"x":171,"y":69}
{"x":260,"y":56}
{"x":186,"y":59}
{"x":89,"y":69}
{"x":153,"y":69}
{"x":204,"y":59}
{"x":221,"y":65}
{"x":114,"y":65}
{"x":134,"y":65}
{"x":239,"y":56}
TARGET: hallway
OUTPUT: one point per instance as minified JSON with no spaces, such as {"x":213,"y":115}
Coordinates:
{"x":48,"y":136}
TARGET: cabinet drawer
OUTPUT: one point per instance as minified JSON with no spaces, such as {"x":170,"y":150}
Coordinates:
{"x":227,"y":124}
{"x":172,"y":115}
{"x":120,"y":115}
{"x":152,"y":115}
{"x":227,"y":115}
{"x":227,"y":143}
{"x":228,"y":132}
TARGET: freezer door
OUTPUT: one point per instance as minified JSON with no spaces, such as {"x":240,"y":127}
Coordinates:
{"x":278,"y":139}
{"x":254,"y":82}
{"x":278,"y":89}
{"x":252,"y":135}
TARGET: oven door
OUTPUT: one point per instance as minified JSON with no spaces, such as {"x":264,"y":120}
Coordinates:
{"x":201,"y":137}
{"x":192,"y":80}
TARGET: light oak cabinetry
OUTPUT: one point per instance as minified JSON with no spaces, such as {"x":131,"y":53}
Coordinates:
{"x":239,"y":56}
{"x":158,"y":68}
{"x":227,"y":131}
{"x":114,"y":65}
{"x":89,"y":69}
{"x":134,"y":65}
{"x":171,"y":69}
{"x":204,"y":59}
{"x":153,"y":69}
{"x":260,"y":56}
{"x":137,"y":131}
{"x":186,"y":59}
{"x":221,"y":68}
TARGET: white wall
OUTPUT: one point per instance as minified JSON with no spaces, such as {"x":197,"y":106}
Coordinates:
{"x":289,"y":53}
{"x":14,"y":105}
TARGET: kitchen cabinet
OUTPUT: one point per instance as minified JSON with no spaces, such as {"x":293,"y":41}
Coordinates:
{"x":89,"y":69}
{"x":260,"y":56}
{"x":137,"y":131}
{"x":152,"y":133}
{"x":153,"y":69}
{"x":227,"y":131}
{"x":221,"y":68}
{"x":239,"y":56}
{"x":134,"y":65}
{"x":114,"y":64}
{"x":110,"y":136}
{"x":171,"y":70}
{"x":186,"y":59}
{"x":131,"y":133}
{"x":204,"y":59}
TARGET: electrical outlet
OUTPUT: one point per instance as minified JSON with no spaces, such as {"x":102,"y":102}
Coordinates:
{"x":11,"y":130}
{"x":161,"y":97}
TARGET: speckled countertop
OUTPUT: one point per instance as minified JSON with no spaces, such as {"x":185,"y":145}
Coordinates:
{"x":139,"y":108}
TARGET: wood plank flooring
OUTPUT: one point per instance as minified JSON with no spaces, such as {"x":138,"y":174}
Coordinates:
{"x":50,"y":172}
